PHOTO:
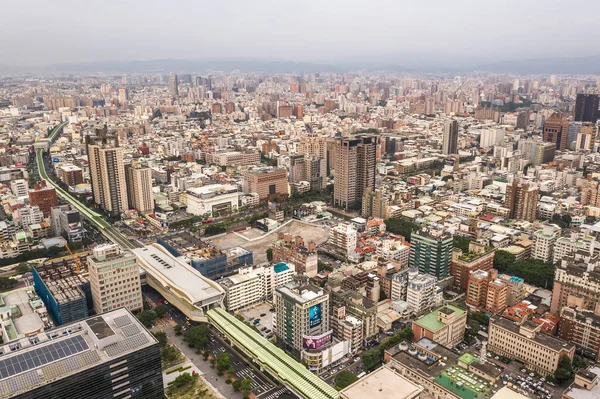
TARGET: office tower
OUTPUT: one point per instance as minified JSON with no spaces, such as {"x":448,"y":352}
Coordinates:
{"x":114,"y":278}
{"x":107,"y":356}
{"x":450,"y":141}
{"x":302,"y":312}
{"x":521,"y":199}
{"x":173,"y":85}
{"x":431,"y":252}
{"x":139,"y":186}
{"x":44,"y":197}
{"x":107,"y":172}
{"x":586,"y":108}
{"x":556,"y":130}
{"x":355,"y":167}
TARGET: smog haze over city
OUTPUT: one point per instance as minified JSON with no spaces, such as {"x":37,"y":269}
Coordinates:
{"x":459,"y":35}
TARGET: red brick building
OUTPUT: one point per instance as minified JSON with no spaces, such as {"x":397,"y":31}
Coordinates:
{"x":44,"y":197}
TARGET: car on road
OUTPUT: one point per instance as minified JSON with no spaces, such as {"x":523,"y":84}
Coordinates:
{"x":263,"y":314}
{"x":222,"y":349}
{"x":263,"y":329}
{"x":257,"y":321}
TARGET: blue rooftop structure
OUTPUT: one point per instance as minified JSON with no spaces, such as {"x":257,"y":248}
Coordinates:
{"x":280,"y":267}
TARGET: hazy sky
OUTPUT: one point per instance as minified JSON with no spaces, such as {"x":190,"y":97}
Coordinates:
{"x":52,"y":31}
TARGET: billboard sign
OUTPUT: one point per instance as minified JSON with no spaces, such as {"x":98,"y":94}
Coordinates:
{"x":314,"y":318}
{"x":316,"y":341}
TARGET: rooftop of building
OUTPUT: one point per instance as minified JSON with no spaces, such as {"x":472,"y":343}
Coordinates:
{"x":425,"y":363}
{"x":157,"y":261}
{"x":431,"y":322}
{"x":577,"y":392}
{"x":544,"y":339}
{"x":302,"y":293}
{"x":212,"y":190}
{"x":60,"y":352}
{"x":383,"y":383}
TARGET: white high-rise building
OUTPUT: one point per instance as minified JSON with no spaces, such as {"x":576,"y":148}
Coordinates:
{"x":19,"y":187}
{"x":343,"y":237}
{"x":566,"y":245}
{"x":543,"y":242}
{"x":253,"y":285}
{"x":420,"y":293}
{"x":114,"y":279}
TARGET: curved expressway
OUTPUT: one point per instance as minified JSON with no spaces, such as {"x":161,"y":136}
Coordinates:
{"x":93,"y":217}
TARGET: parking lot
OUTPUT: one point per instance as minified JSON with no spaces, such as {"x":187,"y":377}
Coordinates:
{"x":262,"y":313}
{"x":243,"y":370}
{"x":531,"y":384}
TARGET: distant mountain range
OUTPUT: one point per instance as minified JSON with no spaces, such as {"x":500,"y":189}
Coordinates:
{"x":575,"y":65}
{"x":167,"y":65}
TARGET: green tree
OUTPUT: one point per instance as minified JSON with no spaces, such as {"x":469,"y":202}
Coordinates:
{"x":579,"y":363}
{"x":246,"y":386}
{"x":503,"y":260}
{"x":270,"y":254}
{"x":147,"y":318}
{"x":402,"y":227}
{"x":214,"y":229}
{"x":170,"y":354}
{"x":161,"y":310}
{"x":345,"y":378}
{"x":23,"y":268}
{"x":564,"y":370}
{"x":237,"y":385}
{"x":231,"y":371}
{"x":177,"y":329}
{"x":182,"y":381}
{"x":462,"y":243}
{"x":161,"y":337}
{"x":223,"y":361}
{"x":7,"y":283}
{"x":197,"y":336}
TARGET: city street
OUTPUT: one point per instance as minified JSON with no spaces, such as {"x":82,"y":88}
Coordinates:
{"x":261,"y":387}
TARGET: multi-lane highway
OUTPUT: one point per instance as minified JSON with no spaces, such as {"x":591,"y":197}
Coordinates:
{"x":94,"y":218}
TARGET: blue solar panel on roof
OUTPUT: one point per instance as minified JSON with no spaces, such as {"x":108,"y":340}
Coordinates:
{"x":36,"y":357}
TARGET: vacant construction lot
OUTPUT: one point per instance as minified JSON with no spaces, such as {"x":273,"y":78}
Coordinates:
{"x":258,"y":241}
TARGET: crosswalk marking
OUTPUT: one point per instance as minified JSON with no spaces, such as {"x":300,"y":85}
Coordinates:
{"x":275,"y":394}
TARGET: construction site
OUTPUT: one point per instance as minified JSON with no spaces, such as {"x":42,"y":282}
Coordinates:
{"x":64,"y":287}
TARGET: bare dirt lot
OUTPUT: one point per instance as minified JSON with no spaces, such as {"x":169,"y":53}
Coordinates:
{"x":258,"y":241}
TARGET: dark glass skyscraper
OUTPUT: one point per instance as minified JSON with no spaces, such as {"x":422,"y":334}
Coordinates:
{"x":107,"y":356}
{"x":586,"y":108}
